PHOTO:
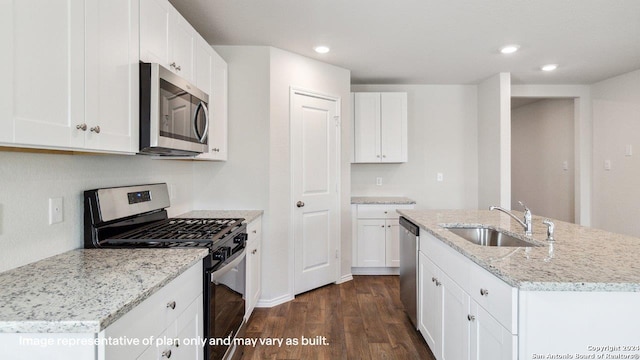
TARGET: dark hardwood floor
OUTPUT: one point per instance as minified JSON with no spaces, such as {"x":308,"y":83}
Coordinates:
{"x":361,"y":319}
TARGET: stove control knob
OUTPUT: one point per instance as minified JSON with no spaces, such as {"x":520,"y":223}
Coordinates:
{"x":240,"y":238}
{"x":219,"y":255}
{"x":226,"y":250}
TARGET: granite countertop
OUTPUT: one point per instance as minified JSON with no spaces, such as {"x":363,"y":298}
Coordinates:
{"x":381,"y":200}
{"x":581,"y":258}
{"x":247,"y":215}
{"x":86,"y":290}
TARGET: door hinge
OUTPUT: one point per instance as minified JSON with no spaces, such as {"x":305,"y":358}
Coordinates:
{"x":337,"y":254}
{"x":337,"y":119}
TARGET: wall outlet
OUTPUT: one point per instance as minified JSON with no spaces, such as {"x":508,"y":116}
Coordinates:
{"x":607,"y":165}
{"x":379,"y":181}
{"x":565,"y":165}
{"x":440,"y":177}
{"x":56,"y":210}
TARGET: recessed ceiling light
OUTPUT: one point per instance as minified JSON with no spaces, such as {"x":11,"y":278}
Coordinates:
{"x":321,"y":49}
{"x":509,"y":49}
{"x":549,"y":67}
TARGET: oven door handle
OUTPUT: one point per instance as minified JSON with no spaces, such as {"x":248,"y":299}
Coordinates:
{"x":216,"y":275}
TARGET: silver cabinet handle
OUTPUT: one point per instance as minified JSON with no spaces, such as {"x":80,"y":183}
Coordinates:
{"x":484,"y":292}
{"x":166,"y":354}
{"x":378,"y":156}
{"x":173,"y":65}
{"x":255,"y":231}
{"x":471,"y":317}
{"x":388,"y":226}
{"x":254,"y":251}
{"x":178,"y":68}
{"x":215,"y":150}
{"x":384,"y":156}
{"x":435,"y":280}
{"x":82,"y":127}
{"x":95,"y":129}
{"x":300,"y":204}
{"x":177,"y":342}
{"x":171,"y":304}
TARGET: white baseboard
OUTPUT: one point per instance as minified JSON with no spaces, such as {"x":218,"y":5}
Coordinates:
{"x":263,"y":303}
{"x":345,"y":278}
{"x":375,"y":271}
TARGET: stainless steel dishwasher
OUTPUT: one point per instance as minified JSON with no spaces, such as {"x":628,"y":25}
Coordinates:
{"x":409,"y":234}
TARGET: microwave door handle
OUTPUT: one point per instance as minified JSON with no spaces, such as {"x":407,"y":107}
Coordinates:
{"x":202,"y":137}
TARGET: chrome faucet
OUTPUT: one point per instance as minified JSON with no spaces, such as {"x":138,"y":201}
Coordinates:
{"x":526,"y":224}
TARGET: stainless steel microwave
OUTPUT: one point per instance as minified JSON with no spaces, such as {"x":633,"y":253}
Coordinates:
{"x":174,"y":118}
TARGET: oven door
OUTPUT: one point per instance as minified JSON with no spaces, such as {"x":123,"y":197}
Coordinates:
{"x":225,"y":304}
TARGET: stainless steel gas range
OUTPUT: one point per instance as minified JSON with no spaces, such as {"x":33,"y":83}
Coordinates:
{"x":136,"y":216}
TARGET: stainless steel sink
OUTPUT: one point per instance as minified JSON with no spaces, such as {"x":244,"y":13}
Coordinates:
{"x":486,"y":236}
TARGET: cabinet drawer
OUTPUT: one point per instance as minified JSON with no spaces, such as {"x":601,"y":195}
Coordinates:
{"x":254,"y":229}
{"x":380,"y":211}
{"x":496,"y":296}
{"x":452,"y":263}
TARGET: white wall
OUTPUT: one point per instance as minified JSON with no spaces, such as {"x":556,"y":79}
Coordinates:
{"x":442,"y":122}
{"x":257,"y":174}
{"x":582,"y":128}
{"x":541,"y":140}
{"x":616,"y":123}
{"x":494,"y":145}
{"x":28,"y":180}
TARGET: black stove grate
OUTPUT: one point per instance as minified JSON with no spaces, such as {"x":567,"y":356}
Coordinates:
{"x":178,"y":233}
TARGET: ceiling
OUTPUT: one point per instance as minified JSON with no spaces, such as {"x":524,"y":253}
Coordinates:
{"x":436,"y":41}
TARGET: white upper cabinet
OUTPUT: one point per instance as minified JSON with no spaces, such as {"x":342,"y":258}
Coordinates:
{"x":42,"y":93}
{"x":112,"y":75}
{"x":154,"y":31}
{"x":380,"y":127}
{"x":218,"y":119}
{"x":167,"y":38}
{"x":73,"y":75}
{"x":203,"y":66}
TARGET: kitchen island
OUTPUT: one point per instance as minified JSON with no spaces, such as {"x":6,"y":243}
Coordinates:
{"x":576,"y":297}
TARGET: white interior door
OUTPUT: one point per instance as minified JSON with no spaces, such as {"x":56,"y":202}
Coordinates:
{"x":315,"y":197}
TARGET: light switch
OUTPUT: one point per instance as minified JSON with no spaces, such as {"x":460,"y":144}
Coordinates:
{"x":628,"y":150}
{"x":440,"y":177}
{"x":379,"y":181}
{"x":565,"y":165}
{"x":607,"y":165}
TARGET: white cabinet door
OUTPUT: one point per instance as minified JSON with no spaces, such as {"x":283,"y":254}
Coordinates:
{"x":218,"y":119}
{"x":111,"y":85}
{"x":154,"y":31}
{"x":189,"y":325}
{"x":488,"y":338}
{"x":393,"y":109}
{"x":455,"y":324}
{"x":181,"y":50}
{"x":430,"y":304}
{"x":42,"y":92}
{"x":392,"y":243}
{"x":203,"y":65}
{"x":366,"y":110}
{"x":371,"y":243}
{"x":254,"y":266}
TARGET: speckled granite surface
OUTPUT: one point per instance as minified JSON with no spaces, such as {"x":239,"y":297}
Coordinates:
{"x":582,"y":258}
{"x":381,"y":200}
{"x":248,"y":215}
{"x":86,"y":290}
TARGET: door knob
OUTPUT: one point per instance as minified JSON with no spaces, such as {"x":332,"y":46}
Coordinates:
{"x":299,"y":204}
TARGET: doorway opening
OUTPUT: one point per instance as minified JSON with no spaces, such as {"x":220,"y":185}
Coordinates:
{"x":543,"y":152}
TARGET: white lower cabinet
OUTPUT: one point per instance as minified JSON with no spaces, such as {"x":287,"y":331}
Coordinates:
{"x":254,"y":266}
{"x":456,"y":322}
{"x":159,"y":325}
{"x":376,"y":237}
